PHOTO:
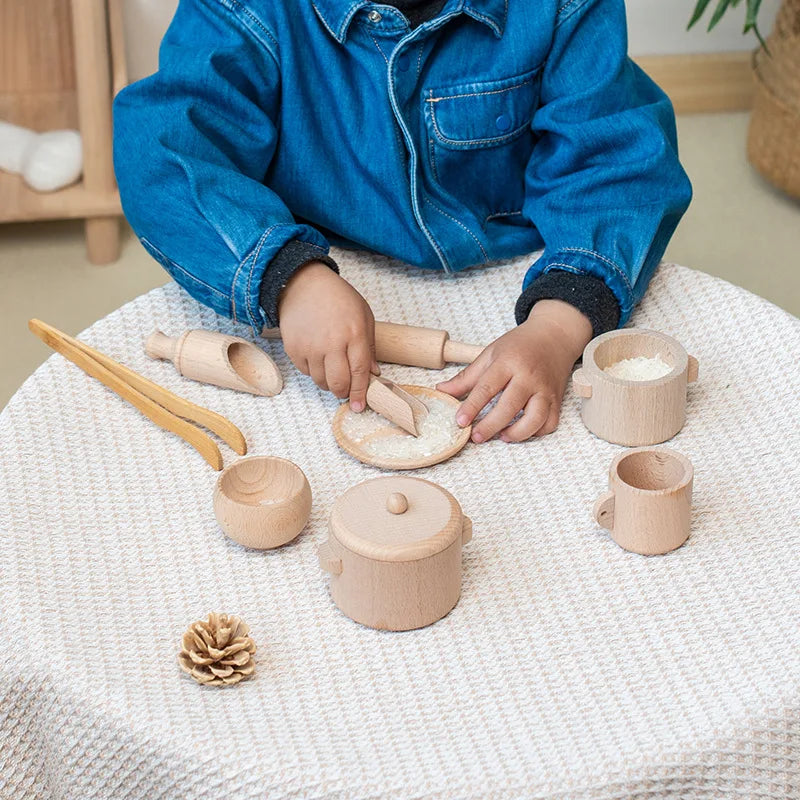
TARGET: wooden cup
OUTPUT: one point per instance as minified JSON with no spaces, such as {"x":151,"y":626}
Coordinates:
{"x":629,"y":412}
{"x":648,"y":508}
{"x":262,"y":501}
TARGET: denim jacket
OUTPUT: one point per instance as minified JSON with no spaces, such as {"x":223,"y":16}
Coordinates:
{"x":497,"y":128}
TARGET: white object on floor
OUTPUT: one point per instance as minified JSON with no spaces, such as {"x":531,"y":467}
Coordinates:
{"x":640,"y":368}
{"x":47,"y":161}
{"x":568,"y":669}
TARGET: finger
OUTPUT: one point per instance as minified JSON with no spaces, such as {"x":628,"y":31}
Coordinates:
{"x":491,"y":381}
{"x":337,"y":373}
{"x":360,"y":359}
{"x":373,"y":352}
{"x":536,"y":413}
{"x":551,"y":423}
{"x":511,"y":402}
{"x":317,"y":372}
{"x":302,"y":365}
{"x":464,"y":381}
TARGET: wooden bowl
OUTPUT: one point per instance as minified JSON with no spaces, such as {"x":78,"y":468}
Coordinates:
{"x":262,"y":501}
{"x":634,"y":412}
{"x":358,"y":448}
{"x":648,"y":507}
{"x":394,"y":552}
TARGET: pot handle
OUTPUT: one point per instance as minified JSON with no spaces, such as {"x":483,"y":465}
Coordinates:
{"x":604,"y":511}
{"x":693,"y":370}
{"x":580,"y":383}
{"x":328,"y":560}
{"x":466,"y":530}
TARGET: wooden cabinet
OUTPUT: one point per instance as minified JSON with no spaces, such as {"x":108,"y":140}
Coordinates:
{"x":61,"y":61}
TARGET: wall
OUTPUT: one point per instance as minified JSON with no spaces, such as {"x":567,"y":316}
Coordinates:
{"x":655,"y":27}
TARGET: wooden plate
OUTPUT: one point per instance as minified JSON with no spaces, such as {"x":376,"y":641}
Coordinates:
{"x":357,"y":450}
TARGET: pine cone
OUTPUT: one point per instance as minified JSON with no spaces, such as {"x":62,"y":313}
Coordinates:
{"x":218,"y":651}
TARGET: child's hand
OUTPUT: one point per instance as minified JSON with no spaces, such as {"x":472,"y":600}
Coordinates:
{"x":530,"y":365}
{"x":329,"y":332}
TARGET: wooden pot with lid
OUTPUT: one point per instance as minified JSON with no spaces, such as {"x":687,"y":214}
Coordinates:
{"x":394,"y":552}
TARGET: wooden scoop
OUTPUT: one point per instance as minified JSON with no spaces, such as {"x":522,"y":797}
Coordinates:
{"x":396,"y":404}
{"x":218,"y":359}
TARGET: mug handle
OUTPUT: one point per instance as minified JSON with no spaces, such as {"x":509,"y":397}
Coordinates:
{"x":693,"y":370}
{"x":466,"y":530}
{"x":604,"y":511}
{"x":580,"y":383}
{"x":328,"y":560}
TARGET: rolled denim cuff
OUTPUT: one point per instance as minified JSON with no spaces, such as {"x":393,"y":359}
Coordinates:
{"x":249,"y":274}
{"x":582,"y":261}
{"x":588,"y":294}
{"x":293,"y":255}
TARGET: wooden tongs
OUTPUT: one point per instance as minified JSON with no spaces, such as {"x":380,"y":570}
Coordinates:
{"x":161,"y":406}
{"x":396,"y":404}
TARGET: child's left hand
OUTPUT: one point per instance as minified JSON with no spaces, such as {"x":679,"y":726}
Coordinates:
{"x":530,"y":365}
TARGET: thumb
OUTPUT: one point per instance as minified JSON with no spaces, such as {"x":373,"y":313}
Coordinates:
{"x":465,"y":380}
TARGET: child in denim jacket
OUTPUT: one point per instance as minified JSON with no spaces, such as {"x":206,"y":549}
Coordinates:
{"x":444,"y":133}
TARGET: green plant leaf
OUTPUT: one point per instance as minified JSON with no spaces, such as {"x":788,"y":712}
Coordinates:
{"x":721,"y":8}
{"x":752,"y":13}
{"x":699,"y":10}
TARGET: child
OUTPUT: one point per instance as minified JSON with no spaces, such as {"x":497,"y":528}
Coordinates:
{"x":444,"y":133}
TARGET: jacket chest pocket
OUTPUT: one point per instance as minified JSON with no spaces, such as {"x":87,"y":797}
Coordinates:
{"x":480,"y":140}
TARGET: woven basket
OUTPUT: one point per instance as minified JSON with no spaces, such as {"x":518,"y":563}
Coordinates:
{"x":773,"y":142}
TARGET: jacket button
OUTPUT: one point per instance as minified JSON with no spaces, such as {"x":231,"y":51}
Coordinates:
{"x":374,"y":16}
{"x":403,"y":63}
{"x":503,"y":122}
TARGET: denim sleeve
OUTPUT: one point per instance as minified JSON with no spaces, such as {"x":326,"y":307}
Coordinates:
{"x":604,"y":186}
{"x":193,"y":144}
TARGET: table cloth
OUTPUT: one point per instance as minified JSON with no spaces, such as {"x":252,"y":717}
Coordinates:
{"x":569,"y":668}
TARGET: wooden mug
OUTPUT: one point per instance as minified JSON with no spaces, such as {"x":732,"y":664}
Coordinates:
{"x":649,"y":506}
{"x":632,"y":412}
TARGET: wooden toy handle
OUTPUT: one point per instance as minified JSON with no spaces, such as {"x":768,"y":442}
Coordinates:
{"x":159,"y":345}
{"x":581,"y":384}
{"x":604,"y":511}
{"x":461,"y":353}
{"x":466,"y":530}
{"x":328,"y":560}
{"x":693,"y":370}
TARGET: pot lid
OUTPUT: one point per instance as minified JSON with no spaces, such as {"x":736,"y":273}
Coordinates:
{"x":396,"y":518}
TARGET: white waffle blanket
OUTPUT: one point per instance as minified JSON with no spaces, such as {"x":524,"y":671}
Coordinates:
{"x":569,"y":669}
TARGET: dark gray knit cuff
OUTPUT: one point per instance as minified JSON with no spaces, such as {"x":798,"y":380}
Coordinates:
{"x":588,"y":294}
{"x":293,"y":255}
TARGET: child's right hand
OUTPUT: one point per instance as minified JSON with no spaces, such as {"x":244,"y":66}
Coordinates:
{"x":329,"y":332}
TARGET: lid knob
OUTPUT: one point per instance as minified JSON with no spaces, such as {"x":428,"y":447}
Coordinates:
{"x":397,"y":503}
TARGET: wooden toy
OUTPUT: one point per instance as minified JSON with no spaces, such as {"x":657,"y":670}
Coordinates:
{"x":396,"y":404}
{"x":649,"y":506}
{"x":634,"y":412}
{"x":413,"y":346}
{"x":262,"y":501}
{"x":218,"y":359}
{"x":159,"y":405}
{"x":394,"y":552}
{"x":379,"y":444}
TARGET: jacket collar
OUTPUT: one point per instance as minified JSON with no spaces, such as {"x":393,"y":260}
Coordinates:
{"x":336,"y":15}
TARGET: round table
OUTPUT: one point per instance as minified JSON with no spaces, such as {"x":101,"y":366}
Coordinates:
{"x":569,"y":668}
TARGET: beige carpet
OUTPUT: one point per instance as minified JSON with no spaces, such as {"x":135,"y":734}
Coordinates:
{"x":738,"y":228}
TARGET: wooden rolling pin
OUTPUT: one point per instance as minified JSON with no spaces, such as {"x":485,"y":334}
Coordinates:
{"x":413,"y":346}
